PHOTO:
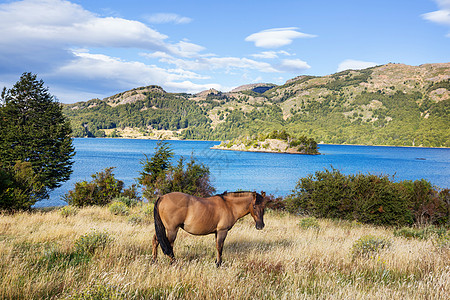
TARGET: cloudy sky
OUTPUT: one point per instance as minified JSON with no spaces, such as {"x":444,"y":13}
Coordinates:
{"x":94,"y":49}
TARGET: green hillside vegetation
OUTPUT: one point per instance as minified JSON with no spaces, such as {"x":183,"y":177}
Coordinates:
{"x":276,"y":141}
{"x":392,"y":104}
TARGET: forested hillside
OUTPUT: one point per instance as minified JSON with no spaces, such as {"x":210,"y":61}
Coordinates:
{"x":392,"y":104}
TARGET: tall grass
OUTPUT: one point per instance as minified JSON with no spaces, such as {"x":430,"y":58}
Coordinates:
{"x":39,"y":259}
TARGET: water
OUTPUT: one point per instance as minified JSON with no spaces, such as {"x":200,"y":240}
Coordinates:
{"x":273,"y":173}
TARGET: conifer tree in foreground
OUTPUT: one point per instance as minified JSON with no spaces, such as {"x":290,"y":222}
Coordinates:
{"x":33,"y":129}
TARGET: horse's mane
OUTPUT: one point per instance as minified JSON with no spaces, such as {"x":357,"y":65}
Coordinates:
{"x":237,"y":194}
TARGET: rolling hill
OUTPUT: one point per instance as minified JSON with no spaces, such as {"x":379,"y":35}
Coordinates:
{"x":392,"y":104}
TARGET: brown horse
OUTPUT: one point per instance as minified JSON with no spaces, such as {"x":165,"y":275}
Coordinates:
{"x":202,"y":216}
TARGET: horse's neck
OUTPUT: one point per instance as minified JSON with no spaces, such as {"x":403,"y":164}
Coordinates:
{"x":240,"y":206}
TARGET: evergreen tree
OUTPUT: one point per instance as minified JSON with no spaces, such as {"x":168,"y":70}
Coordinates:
{"x":159,"y":176}
{"x":154,"y":169}
{"x":33,"y":129}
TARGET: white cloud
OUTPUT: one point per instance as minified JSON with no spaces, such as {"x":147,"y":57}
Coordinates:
{"x":355,"y":65}
{"x":270,"y":54}
{"x":63,"y":24}
{"x":38,"y":35}
{"x":441,"y":16}
{"x":88,"y":65}
{"x":276,"y":37}
{"x":213,"y":63}
{"x":186,"y":49}
{"x":293,"y":65}
{"x":104,"y":70}
{"x":161,"y":18}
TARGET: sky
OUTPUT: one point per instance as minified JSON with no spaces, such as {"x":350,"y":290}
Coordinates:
{"x":94,"y":49}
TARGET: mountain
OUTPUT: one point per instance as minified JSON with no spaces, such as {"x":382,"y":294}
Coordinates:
{"x":392,"y":104}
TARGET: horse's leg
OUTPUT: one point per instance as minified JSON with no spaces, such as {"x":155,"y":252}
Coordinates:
{"x":220,"y":238}
{"x":171,"y":236}
{"x":155,"y":244}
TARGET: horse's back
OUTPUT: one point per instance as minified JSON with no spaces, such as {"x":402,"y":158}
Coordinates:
{"x":175,"y":198}
{"x":174,"y":203}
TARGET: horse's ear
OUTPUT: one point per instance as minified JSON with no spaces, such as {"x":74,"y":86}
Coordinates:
{"x":263,"y":194}
{"x":254,"y":196}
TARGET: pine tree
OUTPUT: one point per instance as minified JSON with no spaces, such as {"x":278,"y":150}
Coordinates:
{"x":33,"y":129}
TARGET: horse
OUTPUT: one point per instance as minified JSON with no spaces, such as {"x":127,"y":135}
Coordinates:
{"x":202,"y":216}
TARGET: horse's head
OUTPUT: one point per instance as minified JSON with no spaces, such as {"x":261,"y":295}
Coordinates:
{"x":257,"y":209}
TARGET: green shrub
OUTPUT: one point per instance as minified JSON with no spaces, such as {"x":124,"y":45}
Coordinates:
{"x":369,"y":245}
{"x":89,"y":242}
{"x":365,"y":198}
{"x":118,"y":208}
{"x":126,"y":200}
{"x":409,"y":233}
{"x":67,"y":211}
{"x":159,"y":176}
{"x":442,"y":242}
{"x":103,"y":188}
{"x":379,"y":201}
{"x":309,"y":223}
{"x":98,"y":291}
{"x":427,"y":205}
{"x":135,"y":220}
{"x":147,"y":209}
{"x":327,"y":194}
{"x":20,"y":187}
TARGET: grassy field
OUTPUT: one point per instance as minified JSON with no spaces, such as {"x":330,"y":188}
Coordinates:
{"x":91,"y":253}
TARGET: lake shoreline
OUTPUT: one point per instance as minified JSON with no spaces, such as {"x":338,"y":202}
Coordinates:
{"x":262,"y":151}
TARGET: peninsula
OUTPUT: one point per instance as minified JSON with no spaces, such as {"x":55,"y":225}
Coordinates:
{"x":275,"y":142}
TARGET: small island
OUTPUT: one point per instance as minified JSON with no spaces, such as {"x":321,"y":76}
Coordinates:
{"x":279,"y":141}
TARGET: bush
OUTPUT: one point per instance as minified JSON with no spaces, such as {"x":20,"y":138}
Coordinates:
{"x":20,"y":188}
{"x":135,"y":220}
{"x":379,"y":201}
{"x":129,"y":202}
{"x":67,"y":211}
{"x":154,"y":169}
{"x":369,"y":245}
{"x":118,"y":208}
{"x":191,"y":179}
{"x":160,"y":176}
{"x":368,"y":198}
{"x":98,"y":291}
{"x":409,"y":233}
{"x":420,"y":233}
{"x":88,"y":243}
{"x":147,"y":209}
{"x":442,"y":242}
{"x":309,"y":223}
{"x":100,"y":191}
{"x":326,"y":194}
{"x":428,"y":206}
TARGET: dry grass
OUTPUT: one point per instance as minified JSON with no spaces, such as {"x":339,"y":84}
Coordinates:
{"x":283,"y":261}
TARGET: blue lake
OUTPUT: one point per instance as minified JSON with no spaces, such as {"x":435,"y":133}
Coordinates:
{"x":273,"y":173}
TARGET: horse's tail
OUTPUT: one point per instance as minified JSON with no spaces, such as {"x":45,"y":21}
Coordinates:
{"x":161,"y":232}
